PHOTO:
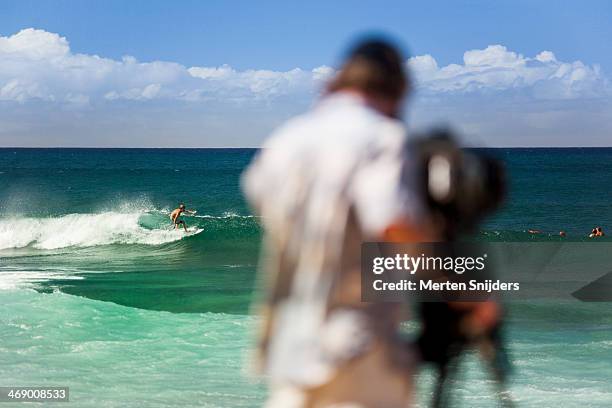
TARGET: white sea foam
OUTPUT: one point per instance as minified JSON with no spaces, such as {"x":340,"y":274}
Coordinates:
{"x":225,"y":215}
{"x":20,"y":279}
{"x":83,"y":230}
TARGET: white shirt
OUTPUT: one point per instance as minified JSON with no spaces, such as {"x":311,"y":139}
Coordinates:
{"x":342,"y":134}
{"x":339,"y":163}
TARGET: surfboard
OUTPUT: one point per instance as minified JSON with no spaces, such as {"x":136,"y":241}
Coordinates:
{"x":193,"y":230}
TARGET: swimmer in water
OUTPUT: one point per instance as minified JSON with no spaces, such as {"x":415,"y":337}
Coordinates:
{"x":596,"y":232}
{"x":562,"y":233}
{"x":175,"y":216}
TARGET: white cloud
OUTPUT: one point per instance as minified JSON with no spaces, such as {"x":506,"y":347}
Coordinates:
{"x":83,"y":99}
{"x":495,"y":68}
{"x":253,"y":83}
{"x":215,"y":73}
{"x":323,"y":73}
{"x":39,"y":65}
{"x":136,"y":94}
{"x":34,"y":45}
{"x":20,"y":91}
{"x":546,"y":56}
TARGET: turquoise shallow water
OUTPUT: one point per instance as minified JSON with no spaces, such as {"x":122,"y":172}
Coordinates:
{"x":98,"y":293}
{"x":116,"y":356}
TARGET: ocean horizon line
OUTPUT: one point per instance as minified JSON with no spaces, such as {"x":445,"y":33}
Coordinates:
{"x":259,"y":147}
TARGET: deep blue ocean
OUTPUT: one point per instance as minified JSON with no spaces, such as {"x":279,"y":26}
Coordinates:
{"x":98,"y":293}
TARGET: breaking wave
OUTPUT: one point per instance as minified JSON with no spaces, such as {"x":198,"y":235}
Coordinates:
{"x":85,"y":230}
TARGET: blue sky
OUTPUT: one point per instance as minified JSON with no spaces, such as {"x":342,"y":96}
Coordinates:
{"x":224,"y":73}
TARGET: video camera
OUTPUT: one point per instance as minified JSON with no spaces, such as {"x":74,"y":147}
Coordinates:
{"x":460,"y":186}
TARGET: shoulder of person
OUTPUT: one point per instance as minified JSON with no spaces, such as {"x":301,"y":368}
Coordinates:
{"x":393,"y":130}
{"x":386,"y":134}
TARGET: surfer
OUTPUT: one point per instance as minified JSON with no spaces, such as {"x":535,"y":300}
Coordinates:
{"x":175,"y":216}
{"x":596,"y":232}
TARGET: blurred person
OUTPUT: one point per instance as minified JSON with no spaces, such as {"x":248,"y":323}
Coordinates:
{"x":596,"y":232}
{"x":323,"y":183}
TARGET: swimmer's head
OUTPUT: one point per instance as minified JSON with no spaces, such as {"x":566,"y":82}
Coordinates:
{"x":181,"y":206}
